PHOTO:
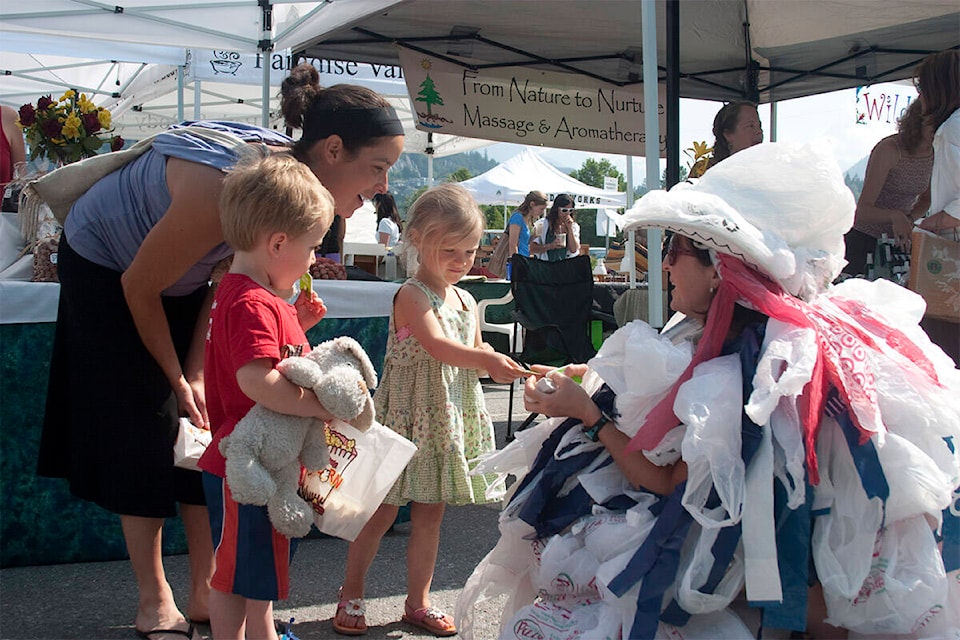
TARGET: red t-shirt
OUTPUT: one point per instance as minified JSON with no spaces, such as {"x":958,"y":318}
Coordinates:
{"x":247,"y":322}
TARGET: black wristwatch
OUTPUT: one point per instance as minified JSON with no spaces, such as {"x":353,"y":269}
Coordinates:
{"x":594,"y":432}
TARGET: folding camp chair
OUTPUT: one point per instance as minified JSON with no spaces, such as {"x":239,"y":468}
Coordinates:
{"x":553,"y":304}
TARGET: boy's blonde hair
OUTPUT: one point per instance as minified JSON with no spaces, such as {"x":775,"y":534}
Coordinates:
{"x":271,"y":194}
{"x":445,"y":214}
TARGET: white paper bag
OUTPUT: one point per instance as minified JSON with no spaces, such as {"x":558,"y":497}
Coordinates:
{"x":363,"y":467}
{"x":191,"y":442}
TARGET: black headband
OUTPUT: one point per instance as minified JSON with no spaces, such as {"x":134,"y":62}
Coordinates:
{"x":357,"y":124}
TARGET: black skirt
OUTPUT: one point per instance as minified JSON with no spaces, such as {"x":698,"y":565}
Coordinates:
{"x":111,"y":417}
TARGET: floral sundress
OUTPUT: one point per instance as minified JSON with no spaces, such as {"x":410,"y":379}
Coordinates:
{"x":440,"y":408}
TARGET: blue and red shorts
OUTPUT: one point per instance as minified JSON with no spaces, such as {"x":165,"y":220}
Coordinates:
{"x":252,"y":558}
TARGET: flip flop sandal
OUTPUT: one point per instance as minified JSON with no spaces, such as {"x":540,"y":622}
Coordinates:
{"x":431,"y":620}
{"x":148,"y":635}
{"x":356,"y":608}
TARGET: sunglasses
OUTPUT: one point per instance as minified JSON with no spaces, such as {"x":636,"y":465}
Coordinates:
{"x":674,"y":250}
{"x":567,"y":210}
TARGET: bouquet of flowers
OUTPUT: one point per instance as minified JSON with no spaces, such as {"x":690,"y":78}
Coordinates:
{"x":68,"y":129}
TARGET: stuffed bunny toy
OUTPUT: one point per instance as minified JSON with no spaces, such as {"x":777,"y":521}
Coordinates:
{"x":266,"y":449}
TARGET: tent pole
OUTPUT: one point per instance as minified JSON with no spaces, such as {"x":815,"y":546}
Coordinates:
{"x":429,"y":152}
{"x":648,"y":13}
{"x":673,"y":92}
{"x":773,"y":121}
{"x":180,"y":70}
{"x":197,"y":98}
{"x":265,"y":46}
{"x":629,"y":245}
{"x":265,"y":92}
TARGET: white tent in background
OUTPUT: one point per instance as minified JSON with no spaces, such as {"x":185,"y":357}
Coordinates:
{"x":510,"y":181}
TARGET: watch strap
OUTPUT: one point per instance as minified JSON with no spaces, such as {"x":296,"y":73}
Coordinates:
{"x":593,"y":432}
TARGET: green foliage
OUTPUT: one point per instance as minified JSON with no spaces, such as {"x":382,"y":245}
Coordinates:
{"x":459,"y":175}
{"x":495,"y":215}
{"x":855,"y":183}
{"x":592,"y":172}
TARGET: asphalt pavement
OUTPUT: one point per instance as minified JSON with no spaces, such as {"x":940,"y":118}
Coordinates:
{"x":98,"y":600}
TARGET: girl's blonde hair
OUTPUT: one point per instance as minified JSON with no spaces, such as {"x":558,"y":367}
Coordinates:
{"x":271,"y":194}
{"x":443,"y":215}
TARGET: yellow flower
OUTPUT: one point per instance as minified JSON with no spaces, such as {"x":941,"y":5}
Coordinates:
{"x":700,"y":153}
{"x":71,"y":126}
{"x":86,"y":104}
{"x":701,"y":149}
{"x":103,"y":115}
{"x":68,"y":95}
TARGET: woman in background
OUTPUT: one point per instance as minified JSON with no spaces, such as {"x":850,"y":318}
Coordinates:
{"x":519,"y":224}
{"x":557,"y":235}
{"x":389,"y":224}
{"x":735,"y":127}
{"x":938,"y":82}
{"x":12,"y":149}
{"x":896,"y":189}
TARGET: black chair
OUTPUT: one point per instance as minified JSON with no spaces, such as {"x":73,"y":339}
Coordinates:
{"x":554,"y":305}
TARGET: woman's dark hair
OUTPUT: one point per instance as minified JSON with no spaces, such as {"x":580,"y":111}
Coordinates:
{"x":560,"y":201}
{"x":302,"y":98}
{"x":724,"y":122}
{"x":938,"y":81}
{"x":910,"y":127}
{"x":387,"y":208}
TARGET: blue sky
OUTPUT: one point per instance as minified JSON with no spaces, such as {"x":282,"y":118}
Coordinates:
{"x":829,"y":118}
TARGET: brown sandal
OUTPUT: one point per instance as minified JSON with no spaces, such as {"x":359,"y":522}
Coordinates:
{"x":431,"y":620}
{"x":355,"y":608}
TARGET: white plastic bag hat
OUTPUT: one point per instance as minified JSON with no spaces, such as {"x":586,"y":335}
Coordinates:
{"x":782,"y":208}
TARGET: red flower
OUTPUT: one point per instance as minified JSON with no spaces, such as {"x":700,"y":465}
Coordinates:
{"x":91,"y":122}
{"x":116,"y":144}
{"x":27,"y":115}
{"x":51,"y":128}
{"x":44,"y":103}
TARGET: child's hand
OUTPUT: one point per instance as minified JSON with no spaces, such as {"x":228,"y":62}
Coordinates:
{"x":310,"y":309}
{"x":502,"y":368}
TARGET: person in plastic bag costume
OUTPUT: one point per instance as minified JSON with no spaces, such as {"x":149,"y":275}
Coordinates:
{"x":781,"y":432}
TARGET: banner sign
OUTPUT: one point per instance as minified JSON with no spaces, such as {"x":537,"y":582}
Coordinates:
{"x":528,"y":106}
{"x":883,"y":104}
{"x":247,"y":68}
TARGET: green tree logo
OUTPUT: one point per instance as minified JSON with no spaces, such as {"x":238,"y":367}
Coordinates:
{"x":428,"y":90}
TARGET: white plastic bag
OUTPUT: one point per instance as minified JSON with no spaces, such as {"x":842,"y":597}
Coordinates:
{"x":843,"y":539}
{"x":363,"y":467}
{"x":191,"y":442}
{"x":547,"y":620}
{"x":696,"y":562}
{"x":639,"y":388}
{"x":710,"y":404}
{"x":906,"y":583}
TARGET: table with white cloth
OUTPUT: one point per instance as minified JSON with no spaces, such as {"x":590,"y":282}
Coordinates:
{"x":40,"y":521}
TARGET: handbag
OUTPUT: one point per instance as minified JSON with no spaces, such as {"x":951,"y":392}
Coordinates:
{"x":191,"y":442}
{"x":363,"y":467}
{"x":498,"y":261}
{"x":934,"y":269}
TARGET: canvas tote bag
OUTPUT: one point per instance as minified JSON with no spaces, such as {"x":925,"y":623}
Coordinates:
{"x":935,"y":273}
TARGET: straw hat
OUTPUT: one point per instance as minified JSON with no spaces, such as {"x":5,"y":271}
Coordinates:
{"x":782,"y":208}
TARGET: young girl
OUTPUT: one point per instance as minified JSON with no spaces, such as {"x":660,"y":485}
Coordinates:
{"x":430,"y":393}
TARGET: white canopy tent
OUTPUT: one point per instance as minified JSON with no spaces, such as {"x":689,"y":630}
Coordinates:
{"x":510,"y":181}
